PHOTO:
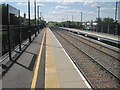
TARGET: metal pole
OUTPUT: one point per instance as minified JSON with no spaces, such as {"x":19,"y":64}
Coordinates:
{"x":81,"y":17}
{"x":38,"y":20}
{"x":35,"y":16}
{"x":19,"y":32}
{"x":8,"y":32}
{"x":98,"y":12}
{"x":38,"y":14}
{"x":116,"y":11}
{"x":29,"y":21}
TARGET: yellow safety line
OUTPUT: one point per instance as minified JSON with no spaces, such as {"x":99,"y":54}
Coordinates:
{"x":33,"y":85}
{"x":51,"y":74}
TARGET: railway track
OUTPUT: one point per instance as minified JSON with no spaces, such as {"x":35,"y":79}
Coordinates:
{"x":96,"y":74}
{"x":109,"y":51}
{"x":109,"y":61}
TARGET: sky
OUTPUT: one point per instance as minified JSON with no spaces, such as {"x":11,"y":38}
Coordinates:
{"x":63,"y":10}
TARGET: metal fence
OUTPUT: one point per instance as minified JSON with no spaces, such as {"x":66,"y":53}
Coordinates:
{"x":109,"y":29}
{"x":12,"y":33}
{"x":17,"y":35}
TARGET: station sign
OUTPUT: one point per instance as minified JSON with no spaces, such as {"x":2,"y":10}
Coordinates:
{"x":13,"y":10}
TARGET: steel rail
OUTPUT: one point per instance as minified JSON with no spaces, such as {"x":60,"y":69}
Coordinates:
{"x":91,"y":58}
{"x":92,"y":46}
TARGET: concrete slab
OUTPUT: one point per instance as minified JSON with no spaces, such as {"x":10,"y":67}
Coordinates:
{"x":74,"y":85}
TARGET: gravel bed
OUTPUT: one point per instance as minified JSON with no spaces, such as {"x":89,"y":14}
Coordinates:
{"x":110,"y":63}
{"x":115,"y":52}
{"x":90,"y":72}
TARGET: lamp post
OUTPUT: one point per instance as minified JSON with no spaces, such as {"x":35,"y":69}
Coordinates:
{"x":29,"y":31}
{"x":38,"y":13}
{"x":98,"y":12}
{"x":81,"y":17}
{"x":116,"y":11}
{"x":35,"y":15}
{"x":38,"y":18}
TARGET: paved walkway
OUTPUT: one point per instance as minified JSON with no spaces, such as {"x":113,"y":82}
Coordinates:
{"x":21,"y":73}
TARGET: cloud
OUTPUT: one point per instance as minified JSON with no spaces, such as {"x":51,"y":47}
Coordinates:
{"x":31,"y":4}
{"x":55,"y":12}
{"x":22,"y":4}
{"x":91,"y":12}
{"x":91,"y":3}
{"x":60,"y":1}
{"x":61,"y":7}
{"x":107,"y":9}
{"x":69,"y":1}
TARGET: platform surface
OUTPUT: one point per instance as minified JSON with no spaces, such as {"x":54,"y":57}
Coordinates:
{"x":21,"y":73}
{"x":60,"y":71}
{"x":109,"y":36}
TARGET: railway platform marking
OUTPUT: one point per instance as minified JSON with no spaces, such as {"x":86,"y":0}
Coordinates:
{"x":51,"y":74}
{"x":34,"y":80}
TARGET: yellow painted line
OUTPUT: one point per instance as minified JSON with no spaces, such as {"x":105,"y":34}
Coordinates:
{"x":51,"y":74}
{"x":33,"y":85}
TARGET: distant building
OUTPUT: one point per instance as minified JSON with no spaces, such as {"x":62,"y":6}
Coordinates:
{"x":119,"y":12}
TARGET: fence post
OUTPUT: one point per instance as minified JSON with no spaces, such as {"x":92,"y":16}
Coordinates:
{"x":29,"y":31}
{"x":8,"y":32}
{"x":108,"y":29}
{"x":35,"y":31}
{"x":98,"y":29}
{"x":116,"y":30}
{"x":102,"y":28}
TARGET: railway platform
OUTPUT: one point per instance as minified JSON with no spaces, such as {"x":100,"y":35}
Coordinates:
{"x":112,"y":37}
{"x":44,"y":64}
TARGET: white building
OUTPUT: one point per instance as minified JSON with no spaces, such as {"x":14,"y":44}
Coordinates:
{"x":119,"y":12}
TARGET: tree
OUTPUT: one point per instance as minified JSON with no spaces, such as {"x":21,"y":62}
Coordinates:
{"x":105,"y":21}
